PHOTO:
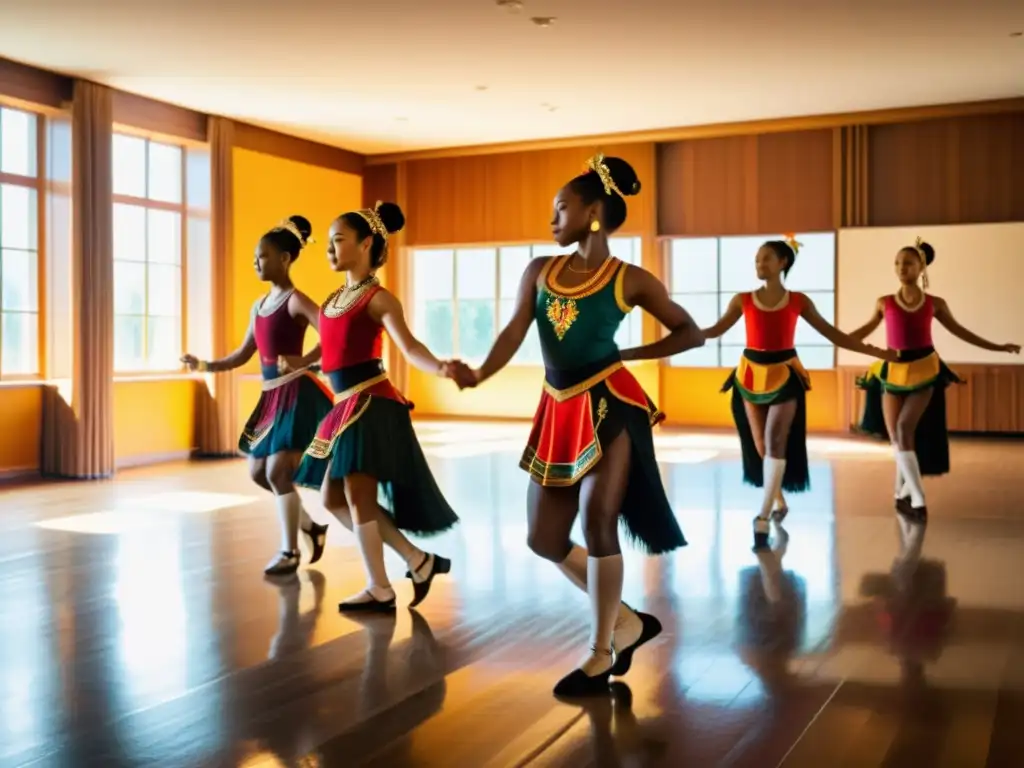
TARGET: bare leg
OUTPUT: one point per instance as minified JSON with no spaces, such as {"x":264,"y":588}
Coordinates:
{"x":757,"y":416}
{"x":891,"y":407}
{"x":914,"y":406}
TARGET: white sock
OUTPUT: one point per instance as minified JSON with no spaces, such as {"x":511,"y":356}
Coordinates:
{"x":604,"y":585}
{"x":371,"y":547}
{"x":774,"y":469}
{"x":900,"y":487}
{"x":628,"y":626}
{"x":394,"y":539}
{"x":780,"y":500}
{"x":912,"y":474}
{"x":289,"y":507}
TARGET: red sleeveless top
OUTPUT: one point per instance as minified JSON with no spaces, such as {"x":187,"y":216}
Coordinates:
{"x":908,"y":330}
{"x":352,"y":337}
{"x":277,"y":334}
{"x":772,"y":330}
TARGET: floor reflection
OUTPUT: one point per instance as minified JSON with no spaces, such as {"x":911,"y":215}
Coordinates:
{"x":139,"y":629}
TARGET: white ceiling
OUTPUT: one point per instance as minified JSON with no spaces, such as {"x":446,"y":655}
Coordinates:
{"x":391,"y":75}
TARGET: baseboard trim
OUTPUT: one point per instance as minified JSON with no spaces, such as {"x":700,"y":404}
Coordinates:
{"x":148,"y":459}
{"x":18,"y":473}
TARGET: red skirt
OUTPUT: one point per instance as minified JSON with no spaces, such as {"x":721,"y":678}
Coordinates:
{"x":564,"y":443}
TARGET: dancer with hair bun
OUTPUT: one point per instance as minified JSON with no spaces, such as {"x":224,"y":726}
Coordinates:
{"x":905,"y":400}
{"x":293,"y":400}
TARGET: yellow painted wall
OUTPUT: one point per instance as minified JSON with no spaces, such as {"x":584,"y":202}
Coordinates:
{"x":21,"y":423}
{"x":269,"y":189}
{"x":153,"y":419}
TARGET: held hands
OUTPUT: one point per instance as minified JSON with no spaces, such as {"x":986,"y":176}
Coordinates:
{"x":190,"y":361}
{"x":463,"y":376}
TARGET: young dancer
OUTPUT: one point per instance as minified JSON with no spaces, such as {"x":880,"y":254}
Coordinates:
{"x":591,"y":447}
{"x":769,"y":385}
{"x":366,"y":444}
{"x":292,"y":403}
{"x":905,"y":399}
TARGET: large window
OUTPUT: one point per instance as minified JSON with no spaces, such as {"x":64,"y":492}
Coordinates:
{"x":19,"y":243}
{"x":706,"y":272}
{"x":463,"y":297}
{"x":149,"y":256}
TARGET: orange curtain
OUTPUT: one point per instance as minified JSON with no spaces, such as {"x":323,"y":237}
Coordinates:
{"x":78,"y":438}
{"x":218,"y":402}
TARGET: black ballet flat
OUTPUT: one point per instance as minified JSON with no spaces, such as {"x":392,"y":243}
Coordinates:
{"x":317,"y":535}
{"x":624,"y":658}
{"x":761,"y":534}
{"x":420,"y":589}
{"x":287,"y":565}
{"x":578,"y":684}
{"x":373,"y":605}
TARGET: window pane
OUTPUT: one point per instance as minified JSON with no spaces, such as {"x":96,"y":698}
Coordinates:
{"x":738,"y":333}
{"x":731,"y":355}
{"x":164,"y":237}
{"x":197,"y":177}
{"x":164,"y":343}
{"x":630,"y":333}
{"x":815,"y":268}
{"x":17,"y":142}
{"x":825,"y":303}
{"x":19,"y":227}
{"x":703,"y":307}
{"x":128,"y":348}
{"x":129,"y":288}
{"x":433,"y":274}
{"x":512,"y":264}
{"x":476,"y":328}
{"x":817,"y":358}
{"x":129,"y":233}
{"x":737,"y":265}
{"x":164,"y":172}
{"x":551,"y":249}
{"x":475,"y":274}
{"x":19,"y":345}
{"x":438,"y":327}
{"x":529,"y":352}
{"x":164,"y":284}
{"x":19,"y":281}
{"x":694,"y":264}
{"x":625,"y":248}
{"x":129,"y":165}
{"x":58,"y":150}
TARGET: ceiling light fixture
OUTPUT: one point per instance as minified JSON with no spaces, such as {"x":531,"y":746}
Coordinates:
{"x":512,"y":6}
{"x":543,"y":21}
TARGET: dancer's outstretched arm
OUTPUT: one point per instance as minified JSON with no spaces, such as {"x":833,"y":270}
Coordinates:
{"x":944,"y":316}
{"x":732,"y":315}
{"x":511,"y":337}
{"x":300,"y":305}
{"x":869,"y":327}
{"x":840,"y":339}
{"x":387,"y":310}
{"x":644,"y":290}
{"x":236,"y":359}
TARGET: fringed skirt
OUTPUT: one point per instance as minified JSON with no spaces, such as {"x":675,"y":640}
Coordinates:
{"x":369,"y":431}
{"x":917,"y":369}
{"x":582,"y":410}
{"x":286,"y":416}
{"x":768,"y":378}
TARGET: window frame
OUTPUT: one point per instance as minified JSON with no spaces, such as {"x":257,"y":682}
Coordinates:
{"x":40,"y":185}
{"x":665,"y":251}
{"x":408,"y":255}
{"x":185,"y":212}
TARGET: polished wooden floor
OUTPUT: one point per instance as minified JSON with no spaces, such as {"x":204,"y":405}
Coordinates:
{"x":137,"y":627}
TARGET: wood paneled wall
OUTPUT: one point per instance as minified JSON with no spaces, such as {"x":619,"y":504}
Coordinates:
{"x":508,"y":197}
{"x":962,"y":170}
{"x":758,"y":184}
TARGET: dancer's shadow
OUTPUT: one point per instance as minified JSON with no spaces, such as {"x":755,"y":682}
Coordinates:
{"x":399,"y":689}
{"x":295,"y":628}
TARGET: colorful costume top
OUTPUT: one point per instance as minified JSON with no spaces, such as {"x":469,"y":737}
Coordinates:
{"x":353,"y":343}
{"x":277,"y":333}
{"x":577,"y":325}
{"x":772,"y":330}
{"x":908,"y":329}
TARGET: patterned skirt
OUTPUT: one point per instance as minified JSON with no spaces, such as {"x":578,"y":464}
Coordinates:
{"x":917,"y":369}
{"x":369,"y":431}
{"x":768,"y":378}
{"x":286,"y":416}
{"x":582,"y":410}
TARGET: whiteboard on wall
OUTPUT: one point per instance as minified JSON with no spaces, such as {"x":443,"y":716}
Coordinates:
{"x":978,"y":270}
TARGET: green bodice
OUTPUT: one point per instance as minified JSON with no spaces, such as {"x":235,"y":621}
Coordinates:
{"x":577,"y":325}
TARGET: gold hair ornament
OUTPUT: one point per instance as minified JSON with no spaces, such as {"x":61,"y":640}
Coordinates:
{"x":372,"y":217}
{"x":289,"y":226}
{"x":924,"y":261}
{"x":597,"y":165}
{"x":789,"y":238}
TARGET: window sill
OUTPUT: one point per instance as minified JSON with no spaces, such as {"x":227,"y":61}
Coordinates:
{"x":125,"y":378}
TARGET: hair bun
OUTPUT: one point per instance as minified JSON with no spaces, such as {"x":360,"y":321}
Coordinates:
{"x":928,"y":251}
{"x":391,"y":217}
{"x":305,"y":228}
{"x":623,"y":175}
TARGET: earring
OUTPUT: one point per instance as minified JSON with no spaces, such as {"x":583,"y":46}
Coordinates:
{"x":595,"y":226}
